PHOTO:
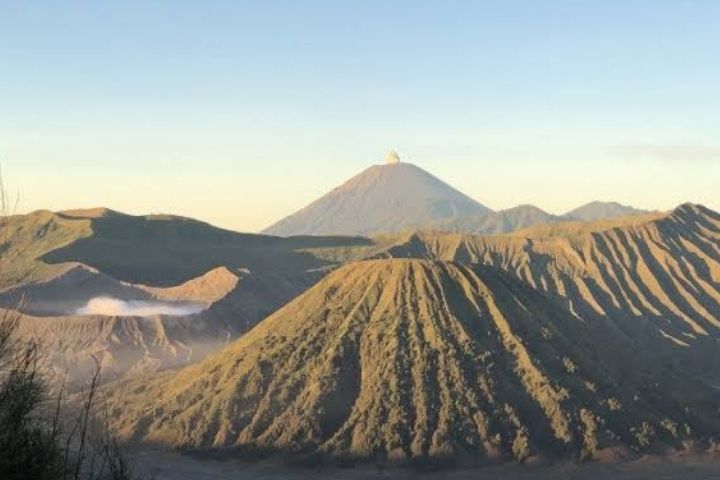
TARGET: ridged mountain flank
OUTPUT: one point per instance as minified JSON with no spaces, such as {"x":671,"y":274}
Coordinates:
{"x":382,"y":199}
{"x":657,"y":272}
{"x":404,"y":359}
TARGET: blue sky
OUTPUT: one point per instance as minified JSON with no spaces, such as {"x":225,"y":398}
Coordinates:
{"x":241,"y":112}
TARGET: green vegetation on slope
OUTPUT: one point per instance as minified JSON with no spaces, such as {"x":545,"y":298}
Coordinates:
{"x":26,"y":238}
{"x":159,"y":250}
{"x":165,"y":250}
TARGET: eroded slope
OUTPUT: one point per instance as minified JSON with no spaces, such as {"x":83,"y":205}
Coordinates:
{"x":658,"y":271}
{"x":411,"y":359}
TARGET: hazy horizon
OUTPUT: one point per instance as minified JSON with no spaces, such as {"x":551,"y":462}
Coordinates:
{"x":239,"y":114}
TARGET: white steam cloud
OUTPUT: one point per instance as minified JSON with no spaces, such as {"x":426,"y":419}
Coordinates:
{"x":110,"y":306}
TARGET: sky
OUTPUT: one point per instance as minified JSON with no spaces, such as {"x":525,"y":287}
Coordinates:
{"x":239,"y":113}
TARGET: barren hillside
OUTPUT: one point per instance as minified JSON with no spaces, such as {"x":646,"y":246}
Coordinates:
{"x":659,"y":271}
{"x":411,"y":359}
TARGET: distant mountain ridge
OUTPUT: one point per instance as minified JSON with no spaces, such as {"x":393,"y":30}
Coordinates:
{"x":399,"y":197}
{"x":503,"y":221}
{"x":601,"y":210}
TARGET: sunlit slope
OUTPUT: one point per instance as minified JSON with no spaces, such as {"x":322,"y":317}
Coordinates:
{"x":158,"y":250}
{"x":166,"y":250}
{"x":659,"y":270}
{"x":26,"y":238}
{"x":403,"y":359}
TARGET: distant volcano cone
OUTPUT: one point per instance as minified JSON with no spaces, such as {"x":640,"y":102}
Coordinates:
{"x":410,"y":359}
{"x":382,"y":199}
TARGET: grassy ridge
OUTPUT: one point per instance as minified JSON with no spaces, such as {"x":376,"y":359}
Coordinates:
{"x":158,"y":250}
